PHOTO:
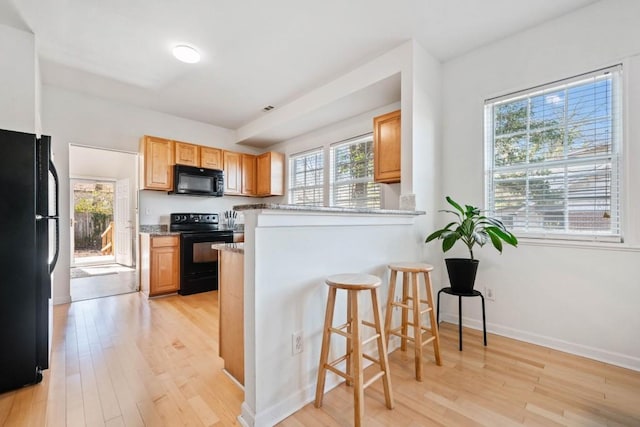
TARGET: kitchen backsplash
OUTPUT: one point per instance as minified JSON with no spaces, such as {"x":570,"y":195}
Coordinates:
{"x":155,"y":206}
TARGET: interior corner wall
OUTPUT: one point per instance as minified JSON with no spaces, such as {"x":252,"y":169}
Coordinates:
{"x":73,"y":118}
{"x":18,"y":107}
{"x":576,"y":298}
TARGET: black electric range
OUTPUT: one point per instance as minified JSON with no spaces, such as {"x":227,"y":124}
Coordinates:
{"x":198,"y":262}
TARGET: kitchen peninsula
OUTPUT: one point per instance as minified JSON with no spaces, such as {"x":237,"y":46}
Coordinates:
{"x":288,"y":252}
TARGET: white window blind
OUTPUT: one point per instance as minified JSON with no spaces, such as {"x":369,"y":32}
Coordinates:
{"x":553,"y":158}
{"x":306,"y":178}
{"x":352,"y":174}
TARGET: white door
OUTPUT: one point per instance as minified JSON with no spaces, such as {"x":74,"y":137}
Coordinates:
{"x":123,"y":228}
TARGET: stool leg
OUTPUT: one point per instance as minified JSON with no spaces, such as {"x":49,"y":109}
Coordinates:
{"x":390,"y":299}
{"x":356,"y":359}
{"x":417,"y":328}
{"x":349,"y":344}
{"x":432,"y":319}
{"x":324,"y":352}
{"x":382,"y":350}
{"x":460,"y":322}
{"x":405,"y":311}
{"x":484,"y":322}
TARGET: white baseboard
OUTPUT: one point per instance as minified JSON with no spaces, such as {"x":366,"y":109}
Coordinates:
{"x":601,"y":355}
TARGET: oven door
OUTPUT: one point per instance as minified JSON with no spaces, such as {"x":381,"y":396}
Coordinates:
{"x":198,"y":262}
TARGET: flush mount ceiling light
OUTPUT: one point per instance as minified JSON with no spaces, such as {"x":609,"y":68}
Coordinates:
{"x":186,"y":53}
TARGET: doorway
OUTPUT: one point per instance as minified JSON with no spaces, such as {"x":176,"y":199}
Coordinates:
{"x":103,"y":208}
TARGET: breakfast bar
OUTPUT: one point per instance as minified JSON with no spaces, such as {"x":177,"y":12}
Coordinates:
{"x":288,"y":253}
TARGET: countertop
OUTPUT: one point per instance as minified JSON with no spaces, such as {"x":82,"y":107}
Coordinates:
{"x":231,"y":247}
{"x":301,"y":208}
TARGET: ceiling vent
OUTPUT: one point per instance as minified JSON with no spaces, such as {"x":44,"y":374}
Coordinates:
{"x":268,"y":108}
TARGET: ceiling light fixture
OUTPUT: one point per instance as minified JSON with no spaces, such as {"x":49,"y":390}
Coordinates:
{"x":186,"y":53}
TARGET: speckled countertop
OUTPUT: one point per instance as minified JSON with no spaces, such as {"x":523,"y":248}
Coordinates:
{"x":157,"y":230}
{"x":232,"y":247}
{"x":274,"y":206}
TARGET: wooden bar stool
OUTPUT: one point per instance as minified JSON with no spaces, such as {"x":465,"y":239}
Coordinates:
{"x":351,"y":330}
{"x":411,"y":301}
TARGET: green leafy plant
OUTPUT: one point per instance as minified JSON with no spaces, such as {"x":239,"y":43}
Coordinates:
{"x":472,"y":227}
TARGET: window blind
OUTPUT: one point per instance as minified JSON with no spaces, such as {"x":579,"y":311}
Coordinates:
{"x":553,"y":158}
{"x":306,"y":178}
{"x":352,"y":174}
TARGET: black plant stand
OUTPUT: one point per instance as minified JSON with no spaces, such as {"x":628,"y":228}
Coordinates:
{"x":473,"y":293}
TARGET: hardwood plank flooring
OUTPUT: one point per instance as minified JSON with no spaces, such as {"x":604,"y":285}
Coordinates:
{"x":128,"y":361}
{"x":507,"y":383}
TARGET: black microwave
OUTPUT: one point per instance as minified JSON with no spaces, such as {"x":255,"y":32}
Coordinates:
{"x":198,"y":181}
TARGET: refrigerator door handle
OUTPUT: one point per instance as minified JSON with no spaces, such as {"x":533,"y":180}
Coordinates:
{"x":55,"y":217}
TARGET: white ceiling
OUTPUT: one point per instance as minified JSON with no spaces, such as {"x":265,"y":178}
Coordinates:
{"x":255,"y":53}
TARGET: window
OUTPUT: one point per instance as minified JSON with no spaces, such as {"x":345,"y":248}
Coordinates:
{"x":352,"y":174}
{"x":306,"y":178}
{"x":553,"y":156}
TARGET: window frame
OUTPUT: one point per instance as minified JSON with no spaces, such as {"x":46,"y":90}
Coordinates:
{"x":321,"y":186}
{"x":616,"y":158}
{"x":367,"y":137}
{"x":328,"y":171}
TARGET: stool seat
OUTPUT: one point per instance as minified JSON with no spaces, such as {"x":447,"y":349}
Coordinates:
{"x":353,"y":281}
{"x":411,"y":267}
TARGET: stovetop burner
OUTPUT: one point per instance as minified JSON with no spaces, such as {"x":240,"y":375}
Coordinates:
{"x":193,"y":222}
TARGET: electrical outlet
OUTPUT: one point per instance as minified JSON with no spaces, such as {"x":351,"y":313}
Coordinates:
{"x":489,"y":294}
{"x":296,"y":342}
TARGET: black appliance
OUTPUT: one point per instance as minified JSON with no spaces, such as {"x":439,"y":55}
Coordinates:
{"x":198,"y":262}
{"x":197,"y":181}
{"x":28,"y":253}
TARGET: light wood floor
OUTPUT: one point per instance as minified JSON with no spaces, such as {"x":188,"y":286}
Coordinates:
{"x":124,"y":360}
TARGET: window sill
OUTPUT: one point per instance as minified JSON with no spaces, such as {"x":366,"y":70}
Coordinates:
{"x":557,"y":243}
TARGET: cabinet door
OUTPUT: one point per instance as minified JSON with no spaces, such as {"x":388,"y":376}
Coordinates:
{"x":248,"y":175}
{"x":211,"y":158}
{"x":270,"y":174}
{"x":157,"y":163}
{"x":232,"y":172}
{"x":386,"y":147}
{"x":165,"y":270}
{"x":187,"y":154}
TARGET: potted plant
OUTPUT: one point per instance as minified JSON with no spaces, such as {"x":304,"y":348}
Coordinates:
{"x":471,"y":227}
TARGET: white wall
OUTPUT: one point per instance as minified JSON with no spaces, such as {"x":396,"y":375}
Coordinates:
{"x":72,"y":118}
{"x":579,"y":298}
{"x":18,"y":109}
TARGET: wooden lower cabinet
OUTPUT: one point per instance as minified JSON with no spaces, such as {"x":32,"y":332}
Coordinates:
{"x":159,"y":264}
{"x":231,"y":300}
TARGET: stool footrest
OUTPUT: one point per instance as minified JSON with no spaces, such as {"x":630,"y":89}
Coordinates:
{"x":372,"y":338}
{"x":426,"y":310}
{"x":424,"y":301}
{"x":399,"y":304}
{"x":372,"y":379}
{"x":369,"y":324}
{"x":374,"y":360}
{"x":338,"y":372}
{"x":339,"y":331}
{"x":394,"y":332}
{"x":428,"y":340}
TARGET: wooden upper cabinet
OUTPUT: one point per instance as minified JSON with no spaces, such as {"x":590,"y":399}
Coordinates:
{"x":157,"y":160}
{"x":270,"y":174}
{"x":386,"y":147}
{"x":248,"y":175}
{"x":211,"y":158}
{"x":187,"y":154}
{"x":232,"y":172}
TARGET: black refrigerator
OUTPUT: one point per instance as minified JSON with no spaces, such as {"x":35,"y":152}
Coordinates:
{"x":29,"y":246}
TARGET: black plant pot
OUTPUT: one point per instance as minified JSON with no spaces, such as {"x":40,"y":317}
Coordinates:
{"x":462,"y":274}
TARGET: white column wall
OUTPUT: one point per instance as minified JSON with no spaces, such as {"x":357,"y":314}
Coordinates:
{"x":578,"y":298}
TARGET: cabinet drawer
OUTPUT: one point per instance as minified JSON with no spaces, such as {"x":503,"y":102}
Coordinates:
{"x":164,"y":241}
